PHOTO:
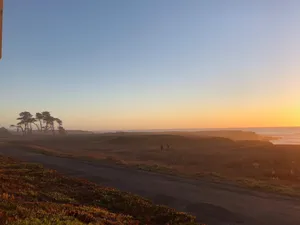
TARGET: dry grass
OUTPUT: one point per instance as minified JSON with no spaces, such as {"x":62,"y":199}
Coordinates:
{"x":268,"y":167}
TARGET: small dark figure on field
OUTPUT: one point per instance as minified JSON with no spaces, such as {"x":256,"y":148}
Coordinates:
{"x":161,"y":147}
{"x":168,"y":146}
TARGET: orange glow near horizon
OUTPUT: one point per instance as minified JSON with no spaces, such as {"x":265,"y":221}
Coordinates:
{"x":228,"y":118}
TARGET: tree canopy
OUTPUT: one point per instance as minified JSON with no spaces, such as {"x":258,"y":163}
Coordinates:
{"x":42,"y":121}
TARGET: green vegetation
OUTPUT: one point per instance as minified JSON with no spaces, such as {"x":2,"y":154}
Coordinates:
{"x":32,"y":195}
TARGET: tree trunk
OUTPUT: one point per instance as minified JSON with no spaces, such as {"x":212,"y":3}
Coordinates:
{"x":30,"y":126}
{"x":41,"y":126}
{"x":23,"y":132}
{"x":53,"y":131}
{"x":46,"y":127}
{"x":25,"y":128}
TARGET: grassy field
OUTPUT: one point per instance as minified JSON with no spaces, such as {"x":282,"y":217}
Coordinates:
{"x":32,"y":195}
{"x":253,"y":163}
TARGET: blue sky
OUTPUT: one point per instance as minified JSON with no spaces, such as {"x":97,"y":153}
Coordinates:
{"x":141,"y":64}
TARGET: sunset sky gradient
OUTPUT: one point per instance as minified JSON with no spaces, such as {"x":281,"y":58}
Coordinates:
{"x":115,"y":64}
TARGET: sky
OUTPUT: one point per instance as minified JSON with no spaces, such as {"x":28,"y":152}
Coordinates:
{"x":152,"y":64}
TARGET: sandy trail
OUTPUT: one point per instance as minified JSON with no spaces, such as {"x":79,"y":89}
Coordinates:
{"x":212,"y":203}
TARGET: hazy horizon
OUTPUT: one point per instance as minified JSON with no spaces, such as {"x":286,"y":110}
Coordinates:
{"x":140,"y":65}
{"x":194,"y":129}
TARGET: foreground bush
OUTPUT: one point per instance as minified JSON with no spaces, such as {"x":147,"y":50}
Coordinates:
{"x":30,"y":194}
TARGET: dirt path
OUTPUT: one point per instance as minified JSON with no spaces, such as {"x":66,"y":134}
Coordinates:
{"x":215,"y":204}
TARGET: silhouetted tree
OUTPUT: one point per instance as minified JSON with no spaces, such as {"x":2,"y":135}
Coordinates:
{"x":50,"y":121}
{"x":33,"y":121}
{"x":39,"y":117}
{"x":47,"y":118}
{"x":51,"y":124}
{"x":46,"y":122}
{"x":25,"y":120}
{"x":61,"y":130}
{"x":18,"y":128}
{"x":58,"y":121}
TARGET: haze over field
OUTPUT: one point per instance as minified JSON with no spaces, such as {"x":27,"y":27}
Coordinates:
{"x":116,"y":65}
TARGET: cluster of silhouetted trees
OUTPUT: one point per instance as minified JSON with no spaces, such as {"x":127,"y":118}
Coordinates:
{"x":44,"y":123}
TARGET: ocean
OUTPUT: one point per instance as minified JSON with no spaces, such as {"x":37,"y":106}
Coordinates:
{"x":287,"y":135}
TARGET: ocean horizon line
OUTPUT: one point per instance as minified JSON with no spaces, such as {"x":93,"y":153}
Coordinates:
{"x":193,"y":129}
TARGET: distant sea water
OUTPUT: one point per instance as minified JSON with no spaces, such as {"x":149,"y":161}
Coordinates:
{"x":286,"y":135}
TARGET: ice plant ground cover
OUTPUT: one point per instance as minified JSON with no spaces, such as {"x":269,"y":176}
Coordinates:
{"x":31,"y":194}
